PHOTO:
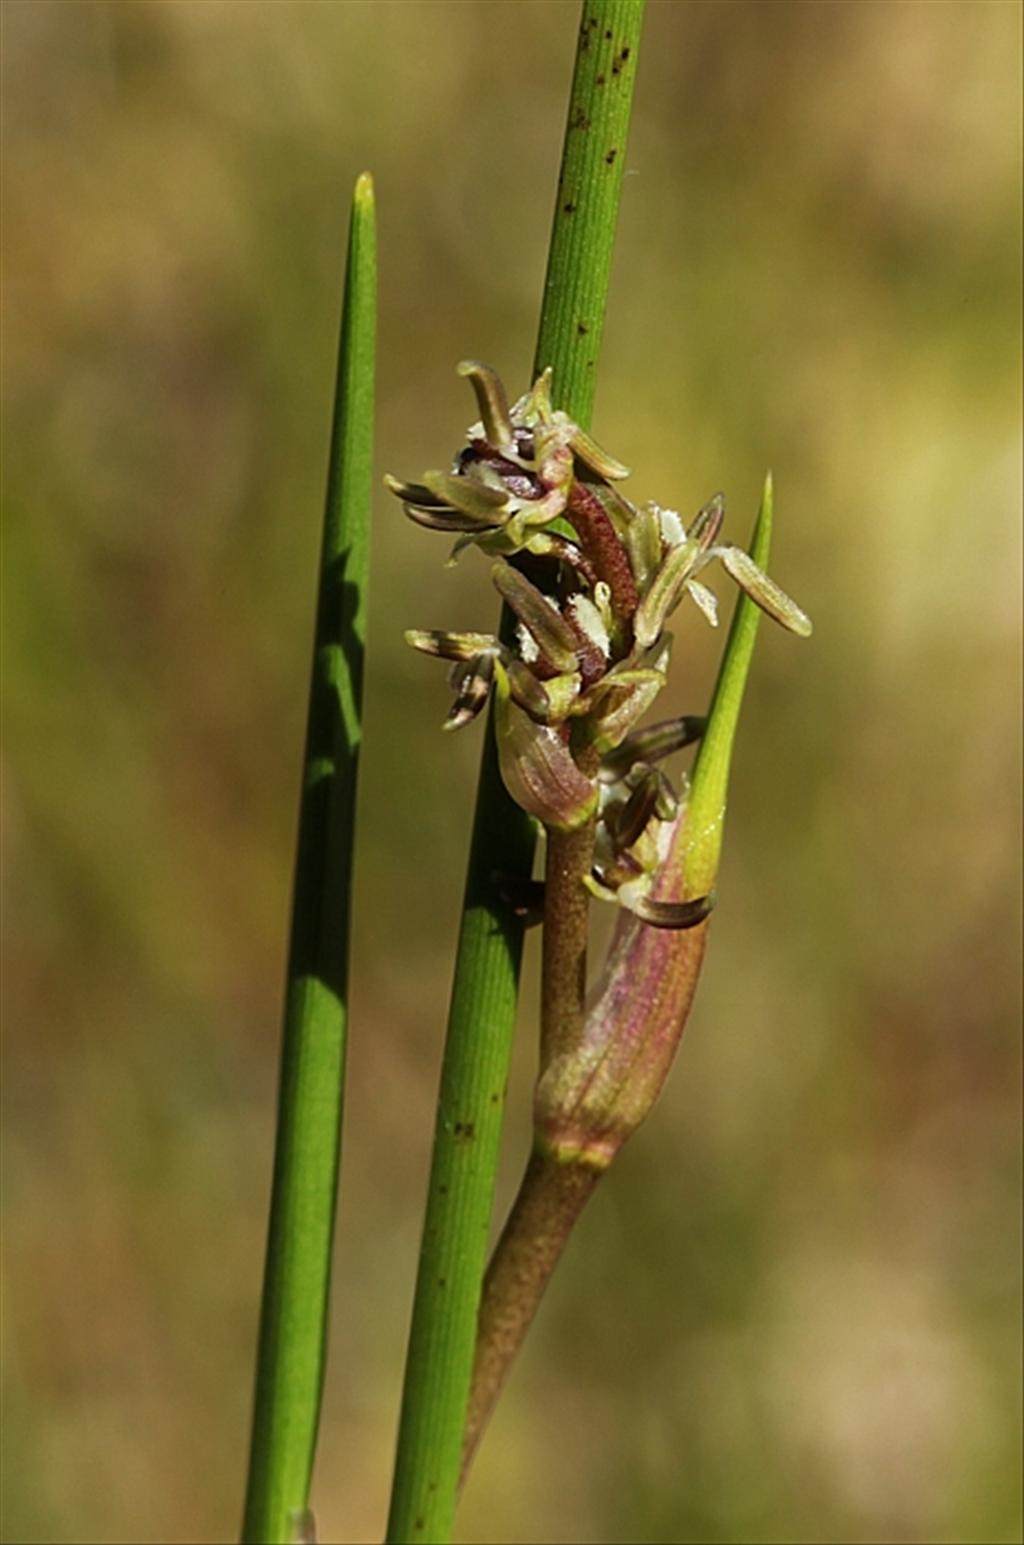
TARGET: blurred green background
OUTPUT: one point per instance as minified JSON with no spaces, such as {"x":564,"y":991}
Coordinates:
{"x":792,"y":1315}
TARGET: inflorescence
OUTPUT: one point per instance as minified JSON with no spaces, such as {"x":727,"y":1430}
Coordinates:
{"x":591,"y":581}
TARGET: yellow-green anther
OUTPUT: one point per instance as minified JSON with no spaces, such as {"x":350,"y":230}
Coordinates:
{"x":441,"y":517}
{"x":472,"y":682}
{"x":468,"y":496}
{"x":492,"y":403}
{"x":562,"y":693}
{"x":616,"y":679}
{"x":537,"y":766}
{"x":666,"y":588}
{"x":450,"y":646}
{"x":598,"y":460}
{"x":651,"y":744}
{"x":535,"y":407}
{"x":708,"y":522}
{"x":547,"y":701}
{"x":554,"y":636}
{"x":413,"y":493}
{"x":637,"y":811}
{"x":629,"y":696}
{"x":764,"y":591}
{"x":642,"y":537}
{"x":528,"y":692}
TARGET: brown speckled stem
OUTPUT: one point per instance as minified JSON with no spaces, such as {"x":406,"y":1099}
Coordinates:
{"x":550,"y":1199}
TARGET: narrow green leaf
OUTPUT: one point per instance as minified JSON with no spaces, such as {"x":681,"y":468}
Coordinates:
{"x":483,"y":1006}
{"x":296,"y":1283}
{"x":705,"y":815}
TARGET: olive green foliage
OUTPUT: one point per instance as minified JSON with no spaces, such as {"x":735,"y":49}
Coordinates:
{"x":793,"y":1313}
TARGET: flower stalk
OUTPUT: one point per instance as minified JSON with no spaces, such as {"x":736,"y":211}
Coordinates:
{"x":600,"y":1078}
{"x":483,"y":1004}
{"x":587,"y":656}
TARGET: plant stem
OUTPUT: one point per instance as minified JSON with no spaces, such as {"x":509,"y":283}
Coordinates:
{"x":587,"y":201}
{"x":482,"y":1014}
{"x":293,"y":1322}
{"x":550,"y":1198}
{"x":568,"y":861}
{"x":551,"y":1195}
{"x":466,"y":1139}
{"x":602,"y":1071}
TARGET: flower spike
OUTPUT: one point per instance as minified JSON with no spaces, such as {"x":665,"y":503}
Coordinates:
{"x":590,"y":650}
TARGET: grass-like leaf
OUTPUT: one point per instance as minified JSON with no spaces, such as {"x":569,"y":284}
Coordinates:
{"x":297,"y":1274}
{"x":483,"y":1006}
{"x":705,"y":816}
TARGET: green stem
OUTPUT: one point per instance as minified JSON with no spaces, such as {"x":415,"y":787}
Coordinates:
{"x":293,"y":1322}
{"x":700,"y":845}
{"x":587,"y":201}
{"x":482,"y":1014}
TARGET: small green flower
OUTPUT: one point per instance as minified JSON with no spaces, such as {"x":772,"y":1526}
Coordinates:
{"x":591,"y":648}
{"x":513,"y":475}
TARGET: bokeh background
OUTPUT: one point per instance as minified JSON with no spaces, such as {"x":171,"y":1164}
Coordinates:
{"x":792,"y":1315}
